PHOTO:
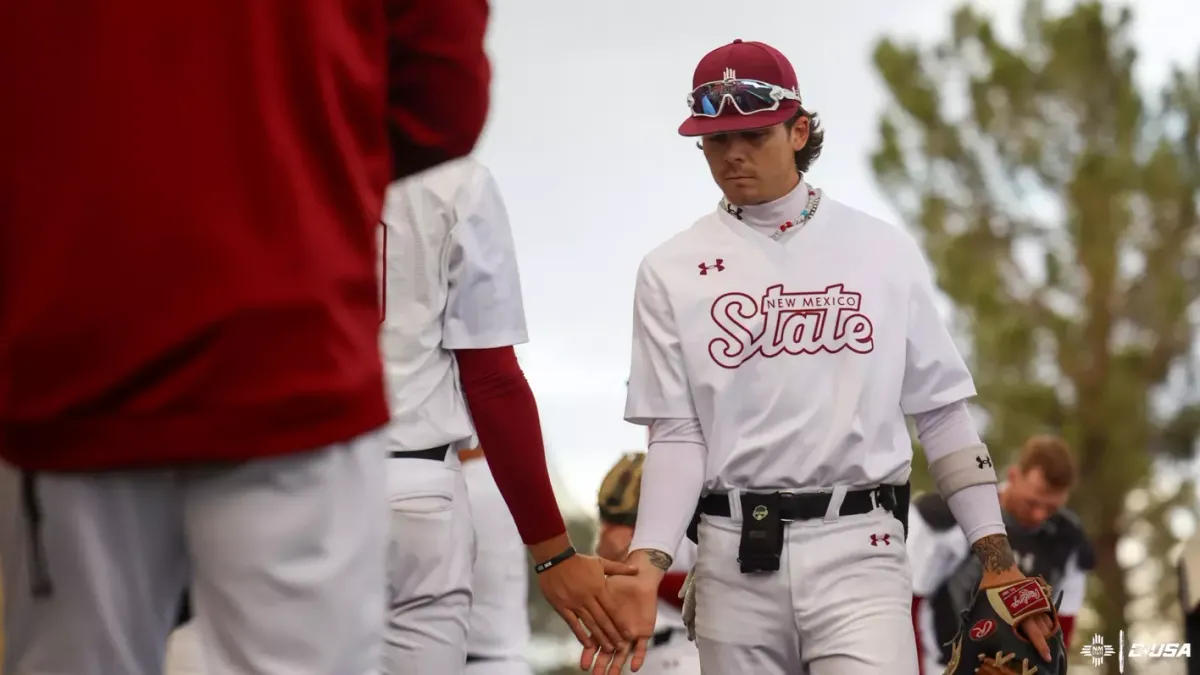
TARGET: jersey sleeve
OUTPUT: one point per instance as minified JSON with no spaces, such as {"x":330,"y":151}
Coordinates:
{"x":1073,"y":587}
{"x":658,"y":384}
{"x":935,"y":374}
{"x":932,"y":554}
{"x":484,"y":307}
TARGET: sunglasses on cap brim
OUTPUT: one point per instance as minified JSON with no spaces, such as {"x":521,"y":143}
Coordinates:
{"x":747,"y":96}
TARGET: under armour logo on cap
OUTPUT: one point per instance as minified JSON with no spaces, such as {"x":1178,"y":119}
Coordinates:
{"x":983,"y":461}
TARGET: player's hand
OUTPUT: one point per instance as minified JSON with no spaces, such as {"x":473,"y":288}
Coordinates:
{"x":1036,"y":628}
{"x":613,"y":542}
{"x":575,"y":588}
{"x":637,"y":598}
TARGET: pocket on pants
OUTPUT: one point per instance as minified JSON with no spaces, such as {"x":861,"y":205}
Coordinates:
{"x":419,"y":486}
{"x":423,"y":503}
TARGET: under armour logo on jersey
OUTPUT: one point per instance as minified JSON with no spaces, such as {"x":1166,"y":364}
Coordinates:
{"x":885,"y":538}
{"x":735,"y":211}
{"x":719,"y":266}
{"x":983,"y":461}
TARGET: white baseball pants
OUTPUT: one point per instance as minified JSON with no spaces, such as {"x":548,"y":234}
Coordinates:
{"x":677,"y":656}
{"x":499,"y":667}
{"x":286,"y":560}
{"x":430,"y":558}
{"x":840,"y":604}
{"x":185,"y":652}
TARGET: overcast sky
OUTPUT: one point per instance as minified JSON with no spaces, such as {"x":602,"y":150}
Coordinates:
{"x":586,"y":100}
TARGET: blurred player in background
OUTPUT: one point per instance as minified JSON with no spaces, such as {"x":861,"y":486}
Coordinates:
{"x":1047,"y":540}
{"x":669,"y":652}
{"x":452,"y":313}
{"x":499,"y":632}
{"x":189,"y":318}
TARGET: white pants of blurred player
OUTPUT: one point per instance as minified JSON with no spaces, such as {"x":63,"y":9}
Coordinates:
{"x":285,"y":558}
{"x":840,"y":604}
{"x":499,"y":633}
{"x":670,"y":653}
{"x":185,"y":653}
{"x":499,"y":667}
{"x":430,"y":558}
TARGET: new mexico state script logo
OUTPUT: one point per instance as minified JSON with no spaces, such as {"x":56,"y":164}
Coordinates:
{"x":789,"y":323}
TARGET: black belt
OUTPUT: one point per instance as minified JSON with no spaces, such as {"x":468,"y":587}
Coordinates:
{"x":810,"y":505}
{"x":437,"y":454}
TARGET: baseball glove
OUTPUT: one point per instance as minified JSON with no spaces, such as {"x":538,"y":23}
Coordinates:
{"x":688,"y":595}
{"x":989,"y":641}
{"x":621,"y":490}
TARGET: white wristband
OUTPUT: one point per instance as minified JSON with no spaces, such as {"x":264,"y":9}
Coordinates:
{"x":976,"y":509}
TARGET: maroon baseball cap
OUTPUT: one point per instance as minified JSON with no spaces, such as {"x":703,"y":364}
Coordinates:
{"x":740,"y":60}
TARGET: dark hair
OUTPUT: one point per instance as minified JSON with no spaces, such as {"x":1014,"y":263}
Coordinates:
{"x":816,"y":140}
{"x":812,"y":149}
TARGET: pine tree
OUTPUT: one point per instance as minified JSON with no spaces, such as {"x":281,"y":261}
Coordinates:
{"x":1057,"y":202}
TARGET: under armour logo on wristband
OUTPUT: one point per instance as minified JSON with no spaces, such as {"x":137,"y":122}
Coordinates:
{"x":983,"y":461}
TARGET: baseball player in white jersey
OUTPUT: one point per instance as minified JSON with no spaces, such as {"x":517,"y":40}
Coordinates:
{"x":452,"y":311}
{"x":499,"y":626}
{"x":778,"y":345}
{"x":669,"y":651}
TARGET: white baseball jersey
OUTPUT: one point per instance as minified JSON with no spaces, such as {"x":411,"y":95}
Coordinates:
{"x":448,"y":281}
{"x":670,"y":616}
{"x":800,"y":357}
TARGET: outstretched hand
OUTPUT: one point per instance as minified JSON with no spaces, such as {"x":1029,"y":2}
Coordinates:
{"x":637,"y":601}
{"x":576,"y":589}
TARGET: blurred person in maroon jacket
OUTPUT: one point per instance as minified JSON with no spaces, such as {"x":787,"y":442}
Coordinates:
{"x":190,"y":380}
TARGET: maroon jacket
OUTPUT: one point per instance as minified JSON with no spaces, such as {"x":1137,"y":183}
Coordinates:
{"x":188,"y":195}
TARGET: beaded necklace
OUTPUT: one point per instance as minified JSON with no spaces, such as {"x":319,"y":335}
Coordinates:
{"x":806,"y":214}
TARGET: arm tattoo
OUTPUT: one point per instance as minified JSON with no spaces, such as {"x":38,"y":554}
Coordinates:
{"x":659,"y":559}
{"x":994,"y":553}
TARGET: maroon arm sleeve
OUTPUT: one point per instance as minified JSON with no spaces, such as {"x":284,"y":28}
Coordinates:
{"x":668,"y":590}
{"x":916,"y":613}
{"x":438,"y":80}
{"x":510,"y":432}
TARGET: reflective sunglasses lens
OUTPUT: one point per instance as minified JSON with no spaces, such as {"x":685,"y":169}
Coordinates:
{"x":753,"y":97}
{"x":706,"y":102}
